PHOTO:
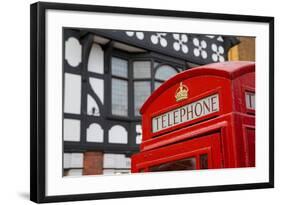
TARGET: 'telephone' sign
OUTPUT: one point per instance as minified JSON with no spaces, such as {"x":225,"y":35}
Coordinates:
{"x":186,"y":113}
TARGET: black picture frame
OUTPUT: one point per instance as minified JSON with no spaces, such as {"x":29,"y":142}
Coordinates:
{"x":38,"y":100}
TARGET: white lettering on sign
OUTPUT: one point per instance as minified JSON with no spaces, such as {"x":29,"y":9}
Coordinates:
{"x":250,"y":100}
{"x":186,"y":113}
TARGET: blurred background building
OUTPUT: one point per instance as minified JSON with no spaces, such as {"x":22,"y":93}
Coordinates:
{"x":108,"y":74}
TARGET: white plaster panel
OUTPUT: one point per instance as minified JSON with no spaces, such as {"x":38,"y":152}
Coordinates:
{"x":109,"y":171}
{"x":66,"y":160}
{"x":116,"y":171}
{"x":96,"y":60}
{"x":73,"y":52}
{"x":122,"y":171}
{"x":109,"y":161}
{"x":75,"y":172}
{"x":76,"y":160}
{"x":71,"y":130}
{"x":138,"y":129}
{"x":138,"y":139}
{"x":115,"y":161}
{"x":98,"y":87}
{"x":128,"y":162}
{"x":121,"y":161}
{"x":95,"y":133}
{"x":118,"y":134}
{"x":92,"y":104}
{"x":72,"y":93}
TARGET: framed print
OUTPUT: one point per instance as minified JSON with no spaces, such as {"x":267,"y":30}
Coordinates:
{"x":128,"y":102}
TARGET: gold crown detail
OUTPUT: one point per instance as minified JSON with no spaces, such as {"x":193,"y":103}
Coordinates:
{"x":181,"y":92}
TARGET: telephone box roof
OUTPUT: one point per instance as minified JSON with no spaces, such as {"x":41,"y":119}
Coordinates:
{"x":229,"y":69}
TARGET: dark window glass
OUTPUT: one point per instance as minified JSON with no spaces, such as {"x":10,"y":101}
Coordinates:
{"x":204,"y":161}
{"x":142,"y":69}
{"x":184,"y":164}
{"x":119,"y":67}
{"x":119,"y":87}
{"x":141,"y":92}
{"x":119,"y":97}
{"x":250,"y":100}
{"x":164,"y":72}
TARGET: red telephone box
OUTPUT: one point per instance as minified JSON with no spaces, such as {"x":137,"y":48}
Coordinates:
{"x":202,"y":118}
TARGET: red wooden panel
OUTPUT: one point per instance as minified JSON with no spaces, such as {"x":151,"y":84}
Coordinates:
{"x":250,"y":146}
{"x":193,"y":148}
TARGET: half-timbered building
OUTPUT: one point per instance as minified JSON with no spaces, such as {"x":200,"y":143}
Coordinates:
{"x":108,"y":74}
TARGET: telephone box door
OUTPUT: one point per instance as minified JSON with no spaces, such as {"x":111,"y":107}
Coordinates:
{"x":202,"y":152}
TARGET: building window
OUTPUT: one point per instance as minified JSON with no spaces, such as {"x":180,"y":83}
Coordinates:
{"x":119,"y":87}
{"x":141,"y":92}
{"x":142,"y":83}
{"x":119,"y":67}
{"x":119,"y":97}
{"x":142,"y":69}
{"x":162,"y":73}
{"x":142,"y":75}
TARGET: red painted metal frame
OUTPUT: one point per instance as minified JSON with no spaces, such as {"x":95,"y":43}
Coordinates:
{"x":190,"y":100}
{"x":206,"y":145}
{"x":233,"y":124}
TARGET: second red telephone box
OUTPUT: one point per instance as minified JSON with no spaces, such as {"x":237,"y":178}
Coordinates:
{"x":201,"y":118}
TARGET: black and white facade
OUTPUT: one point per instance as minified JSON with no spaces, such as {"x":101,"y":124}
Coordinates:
{"x":108,"y":74}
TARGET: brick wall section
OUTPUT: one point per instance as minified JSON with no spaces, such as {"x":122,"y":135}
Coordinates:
{"x":93,"y":163}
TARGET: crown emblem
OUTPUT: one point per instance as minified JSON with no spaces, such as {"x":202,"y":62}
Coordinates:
{"x":181,"y":92}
